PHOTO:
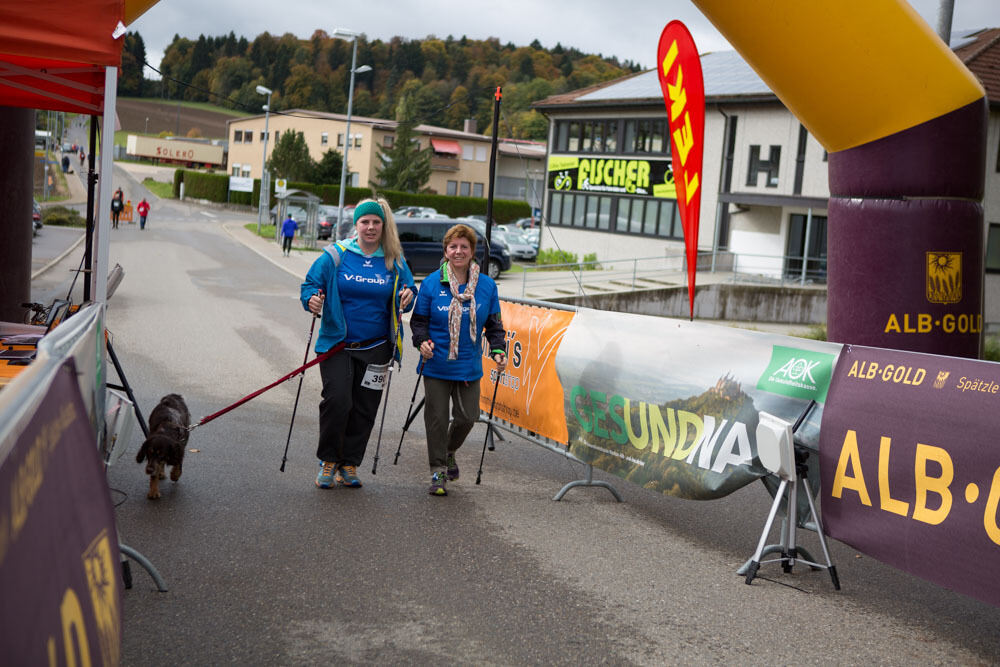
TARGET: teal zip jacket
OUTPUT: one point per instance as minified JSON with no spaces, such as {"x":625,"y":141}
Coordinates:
{"x":323,"y":276}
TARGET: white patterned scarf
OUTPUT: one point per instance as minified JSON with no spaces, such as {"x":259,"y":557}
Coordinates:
{"x":455,"y":309}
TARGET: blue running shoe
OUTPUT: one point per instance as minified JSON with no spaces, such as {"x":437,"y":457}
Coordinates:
{"x":324,"y":479}
{"x":452,"y":468}
{"x":348,"y":476}
{"x":437,"y":487}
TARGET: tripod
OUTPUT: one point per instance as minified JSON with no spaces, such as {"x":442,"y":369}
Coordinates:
{"x":789,"y":548}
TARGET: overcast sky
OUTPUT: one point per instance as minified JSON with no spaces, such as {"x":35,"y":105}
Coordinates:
{"x":628,"y":30}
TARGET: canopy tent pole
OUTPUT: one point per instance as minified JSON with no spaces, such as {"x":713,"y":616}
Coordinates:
{"x":104,"y":185}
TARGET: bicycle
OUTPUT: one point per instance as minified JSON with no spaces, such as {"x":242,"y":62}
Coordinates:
{"x":37,"y":313}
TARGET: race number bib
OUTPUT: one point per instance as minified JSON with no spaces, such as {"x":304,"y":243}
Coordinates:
{"x":375,"y":376}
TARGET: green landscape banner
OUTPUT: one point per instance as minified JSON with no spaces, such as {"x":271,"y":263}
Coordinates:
{"x":673,"y":406}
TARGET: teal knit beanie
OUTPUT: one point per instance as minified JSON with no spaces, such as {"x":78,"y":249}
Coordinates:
{"x":368,"y":208}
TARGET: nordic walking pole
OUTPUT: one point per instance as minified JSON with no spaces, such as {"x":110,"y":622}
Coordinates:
{"x":489,"y":427}
{"x":385,"y":406}
{"x":312,"y":327}
{"x":388,"y":383}
{"x":406,"y":424}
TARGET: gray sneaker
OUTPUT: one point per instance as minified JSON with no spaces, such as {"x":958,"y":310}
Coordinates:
{"x":452,"y":468}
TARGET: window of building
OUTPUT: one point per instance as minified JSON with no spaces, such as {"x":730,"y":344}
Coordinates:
{"x":993,"y":248}
{"x":357,"y":141}
{"x":452,"y":188}
{"x":658,"y":138}
{"x":468,"y":152}
{"x":248,"y":137}
{"x":480,"y":153}
{"x":477,"y":189}
{"x":246,"y":170}
{"x":644,"y":135}
{"x":562,"y":139}
{"x":354,"y":179}
{"x":768,"y":166}
{"x":464,"y":189}
{"x":235,"y":171}
{"x":567,"y":210}
{"x":628,"y":141}
{"x":277,"y":133}
{"x":388,"y":140}
{"x":238,"y":137}
{"x":573,"y":141}
{"x":555,"y":209}
{"x":636,"y":216}
{"x":587,"y":142}
{"x":611,"y":137}
{"x":806,"y":244}
{"x":669,"y":224}
{"x":639,"y":216}
{"x":340,"y":140}
{"x":324,"y":138}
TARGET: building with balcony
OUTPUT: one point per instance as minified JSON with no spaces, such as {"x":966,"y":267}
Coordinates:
{"x":459,"y":161}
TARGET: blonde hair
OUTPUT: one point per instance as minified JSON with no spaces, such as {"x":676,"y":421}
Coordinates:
{"x":391,"y":246}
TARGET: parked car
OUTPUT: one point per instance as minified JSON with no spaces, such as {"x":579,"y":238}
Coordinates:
{"x":327,"y":221}
{"x":480,"y":226}
{"x":36,"y":218}
{"x":296,"y":212}
{"x":416,"y":212}
{"x":422,"y":246}
{"x":525,"y":223}
{"x":519,"y":246}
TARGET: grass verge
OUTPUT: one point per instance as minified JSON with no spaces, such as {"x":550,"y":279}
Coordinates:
{"x":158,"y":188}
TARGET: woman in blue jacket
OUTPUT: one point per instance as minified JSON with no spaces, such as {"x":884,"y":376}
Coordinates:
{"x":359,"y":287}
{"x":455,"y":306}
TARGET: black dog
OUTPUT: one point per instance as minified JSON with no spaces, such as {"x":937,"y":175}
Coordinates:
{"x":168,"y":436}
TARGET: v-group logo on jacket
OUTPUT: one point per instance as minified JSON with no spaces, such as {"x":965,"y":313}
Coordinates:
{"x":378,"y":280}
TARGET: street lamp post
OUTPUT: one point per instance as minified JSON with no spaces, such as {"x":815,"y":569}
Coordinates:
{"x":262,"y":204}
{"x":353,"y":36}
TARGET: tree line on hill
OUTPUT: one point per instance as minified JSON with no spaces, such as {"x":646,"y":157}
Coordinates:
{"x":439,"y":82}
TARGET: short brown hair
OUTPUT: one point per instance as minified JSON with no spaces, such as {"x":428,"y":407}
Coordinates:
{"x":463,"y":231}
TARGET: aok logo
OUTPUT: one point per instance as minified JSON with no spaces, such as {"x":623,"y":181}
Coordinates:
{"x":798,"y":373}
{"x":944,"y":277}
{"x":800,"y":370}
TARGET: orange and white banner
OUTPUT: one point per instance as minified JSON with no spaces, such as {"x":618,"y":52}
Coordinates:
{"x":530,"y":394}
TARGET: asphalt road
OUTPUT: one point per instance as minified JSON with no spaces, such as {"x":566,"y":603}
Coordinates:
{"x":264,"y":568}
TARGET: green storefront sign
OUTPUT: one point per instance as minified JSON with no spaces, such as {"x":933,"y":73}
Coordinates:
{"x":652,"y":178}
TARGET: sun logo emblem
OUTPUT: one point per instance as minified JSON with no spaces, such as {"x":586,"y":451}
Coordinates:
{"x":944,"y":277}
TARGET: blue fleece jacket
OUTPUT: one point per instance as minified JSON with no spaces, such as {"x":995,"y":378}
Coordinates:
{"x":323,"y":276}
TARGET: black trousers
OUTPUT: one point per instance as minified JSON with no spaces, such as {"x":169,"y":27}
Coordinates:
{"x":347,"y":411}
{"x":286,"y":244}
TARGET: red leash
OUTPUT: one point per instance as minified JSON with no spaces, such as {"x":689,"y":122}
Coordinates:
{"x":301,"y":369}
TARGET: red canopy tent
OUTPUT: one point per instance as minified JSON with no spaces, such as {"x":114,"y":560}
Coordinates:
{"x":64,"y":56}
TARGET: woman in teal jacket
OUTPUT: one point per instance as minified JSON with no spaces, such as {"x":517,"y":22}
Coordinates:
{"x":359,"y":288}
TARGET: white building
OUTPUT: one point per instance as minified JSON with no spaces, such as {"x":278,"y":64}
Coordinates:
{"x":764,"y":177}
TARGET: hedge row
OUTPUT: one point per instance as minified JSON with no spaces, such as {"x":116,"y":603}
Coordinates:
{"x":215,"y":187}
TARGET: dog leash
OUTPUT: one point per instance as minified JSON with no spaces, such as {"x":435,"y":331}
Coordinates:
{"x":301,"y":369}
